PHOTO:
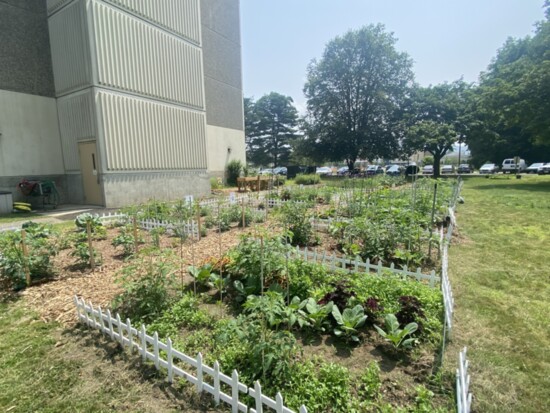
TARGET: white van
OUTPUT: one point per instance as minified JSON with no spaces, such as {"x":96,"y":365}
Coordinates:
{"x":509,"y":165}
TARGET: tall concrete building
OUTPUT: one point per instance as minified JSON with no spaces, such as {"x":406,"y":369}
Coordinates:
{"x":120,"y":101}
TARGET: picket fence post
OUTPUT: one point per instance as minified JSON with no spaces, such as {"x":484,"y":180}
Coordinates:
{"x":234,"y":392}
{"x":199,"y":373}
{"x":169,"y":359}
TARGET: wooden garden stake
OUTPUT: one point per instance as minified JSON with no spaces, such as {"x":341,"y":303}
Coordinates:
{"x":135,"y":233}
{"x":262,"y":265}
{"x":198,"y":221}
{"x":90,"y":246}
{"x":25,"y":255}
{"x":242,"y":213}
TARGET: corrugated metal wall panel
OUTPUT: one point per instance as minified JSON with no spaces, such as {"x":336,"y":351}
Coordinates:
{"x":141,"y":134}
{"x":136,"y":57}
{"x":179,"y":16}
{"x":76,"y":123}
{"x":70,"y":49}
{"x":53,"y":5}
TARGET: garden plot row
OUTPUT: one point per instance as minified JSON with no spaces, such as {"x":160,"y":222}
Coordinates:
{"x":277,"y":299}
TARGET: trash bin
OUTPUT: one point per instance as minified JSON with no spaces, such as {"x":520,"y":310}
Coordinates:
{"x":6,"y":202}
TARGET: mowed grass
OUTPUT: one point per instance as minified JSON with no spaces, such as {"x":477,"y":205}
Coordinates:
{"x":45,"y":368}
{"x":500,"y":273}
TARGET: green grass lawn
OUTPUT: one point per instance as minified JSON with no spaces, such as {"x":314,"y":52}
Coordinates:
{"x":45,"y":368}
{"x":499,"y":268}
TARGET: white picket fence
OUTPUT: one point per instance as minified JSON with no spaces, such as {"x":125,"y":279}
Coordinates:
{"x":463,"y":395}
{"x":334,"y":262}
{"x":189,"y":227}
{"x":448,"y":300}
{"x":205,"y":379}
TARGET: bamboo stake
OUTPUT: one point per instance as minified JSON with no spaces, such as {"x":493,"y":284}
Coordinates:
{"x":25,"y":255}
{"x":90,"y":246}
{"x":242,"y":213}
{"x":135,"y":233}
{"x":198,"y":221}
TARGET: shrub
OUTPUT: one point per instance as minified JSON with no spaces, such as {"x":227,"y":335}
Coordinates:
{"x":311,"y":179}
{"x":233,"y":171}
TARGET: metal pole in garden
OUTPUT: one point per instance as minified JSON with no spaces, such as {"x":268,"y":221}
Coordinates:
{"x":432,"y":222}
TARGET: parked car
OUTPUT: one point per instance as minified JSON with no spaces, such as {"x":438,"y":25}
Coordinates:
{"x":374,"y":170}
{"x":464,"y":168}
{"x":545,"y":169}
{"x":428,"y":170}
{"x":323,"y":170}
{"x":343,"y":170}
{"x":281,"y":170}
{"x":534,"y":167}
{"x":509,"y":165}
{"x":267,"y":171}
{"x":394,"y":170}
{"x":447,"y":169}
{"x":488,"y":168}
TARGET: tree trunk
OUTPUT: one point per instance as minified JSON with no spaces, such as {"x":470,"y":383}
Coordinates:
{"x":351,"y":164}
{"x":437,"y":163}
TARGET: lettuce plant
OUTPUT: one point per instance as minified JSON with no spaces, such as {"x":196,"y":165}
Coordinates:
{"x":396,"y":336}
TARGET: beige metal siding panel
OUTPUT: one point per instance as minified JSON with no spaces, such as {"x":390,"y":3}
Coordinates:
{"x":70,"y":49}
{"x":54,"y":5}
{"x":76,"y":123}
{"x":149,"y":68}
{"x":142,"y":134}
{"x":182,"y":17}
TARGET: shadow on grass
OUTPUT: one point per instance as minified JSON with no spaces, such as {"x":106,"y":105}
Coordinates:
{"x":101,"y":349}
{"x":541,"y":186}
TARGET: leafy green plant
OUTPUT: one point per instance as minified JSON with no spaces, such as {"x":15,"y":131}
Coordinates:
{"x":410,"y":312}
{"x":202,"y":275}
{"x":40,"y":247}
{"x":348,"y":322}
{"x":184,"y":313}
{"x":82,"y":253}
{"x":317,"y":314}
{"x":396,"y":336}
{"x":125,"y":239}
{"x":297,"y":220}
{"x":370,"y":382}
{"x":147,"y":287}
{"x":96,"y":227}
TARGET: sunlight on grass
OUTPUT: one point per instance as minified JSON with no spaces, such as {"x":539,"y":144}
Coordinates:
{"x":499,"y":271}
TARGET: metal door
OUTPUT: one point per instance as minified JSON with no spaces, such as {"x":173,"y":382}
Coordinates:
{"x":89,"y":167}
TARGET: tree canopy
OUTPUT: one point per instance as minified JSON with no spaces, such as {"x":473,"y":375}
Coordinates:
{"x":437,"y":119}
{"x":270,"y":126}
{"x":512,"y":101}
{"x":355,"y":94}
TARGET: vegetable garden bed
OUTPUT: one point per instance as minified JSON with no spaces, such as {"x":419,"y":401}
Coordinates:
{"x":331,"y":339}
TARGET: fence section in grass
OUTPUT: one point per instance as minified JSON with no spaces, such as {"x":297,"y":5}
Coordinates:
{"x":463,"y":395}
{"x":208,"y":379}
{"x":356,"y":264}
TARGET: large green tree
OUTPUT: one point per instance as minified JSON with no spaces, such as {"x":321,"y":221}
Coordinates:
{"x":355,"y":94}
{"x":513,"y":100}
{"x":270,"y":126}
{"x":437,"y":119}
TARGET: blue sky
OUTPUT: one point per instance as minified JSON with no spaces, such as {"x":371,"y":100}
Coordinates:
{"x":446,"y":39}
